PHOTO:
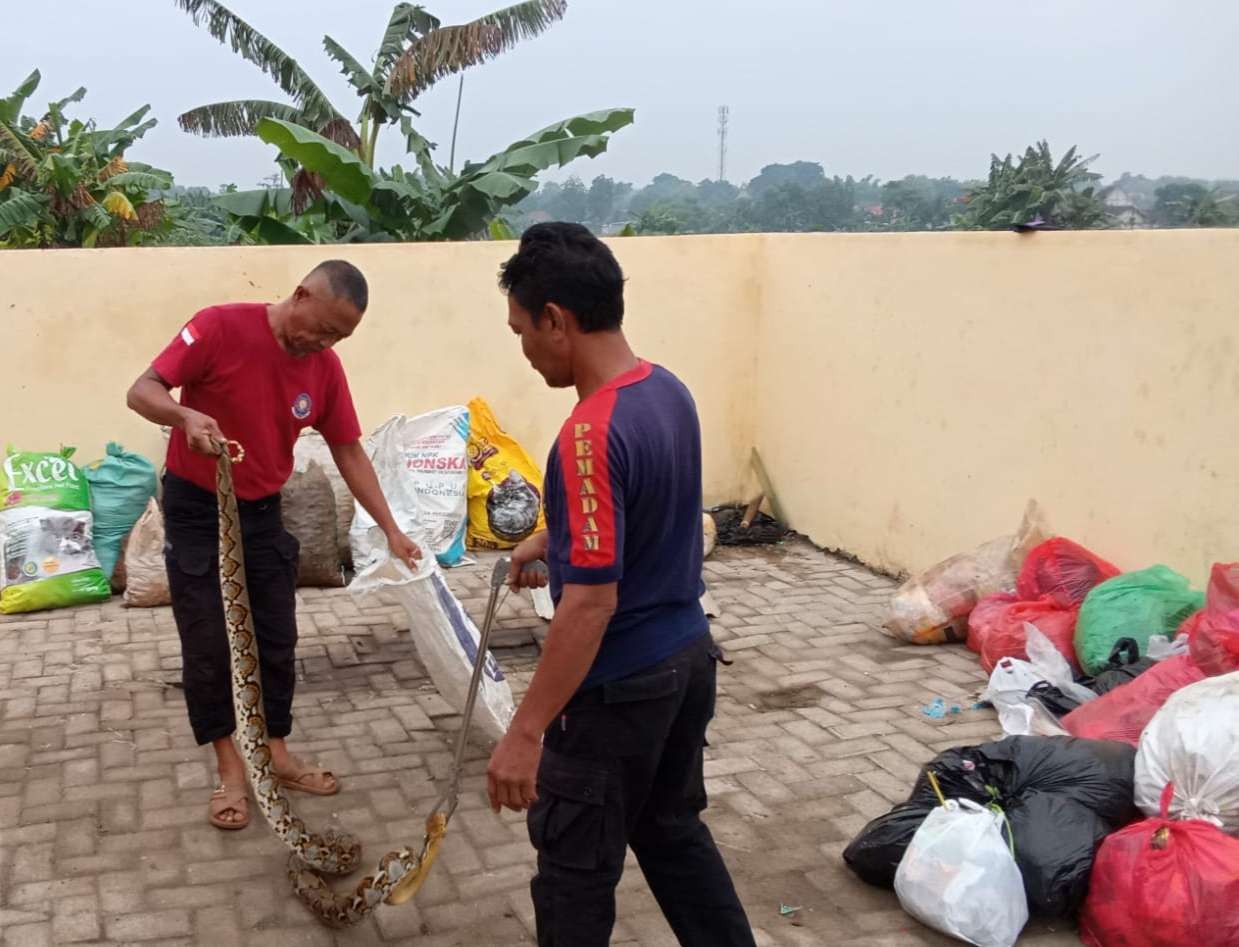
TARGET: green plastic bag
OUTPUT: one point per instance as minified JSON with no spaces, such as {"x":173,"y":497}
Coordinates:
{"x":120,"y":486}
{"x":1138,"y":605}
{"x":46,"y":542}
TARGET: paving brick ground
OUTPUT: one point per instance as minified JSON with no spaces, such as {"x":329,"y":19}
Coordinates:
{"x":103,"y":837}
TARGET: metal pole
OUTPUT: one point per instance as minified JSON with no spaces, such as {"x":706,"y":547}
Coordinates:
{"x":460,"y":91}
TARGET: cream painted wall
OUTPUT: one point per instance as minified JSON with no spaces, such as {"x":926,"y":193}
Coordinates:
{"x":79,"y":326}
{"x":908,"y":392}
{"x":915,"y":390}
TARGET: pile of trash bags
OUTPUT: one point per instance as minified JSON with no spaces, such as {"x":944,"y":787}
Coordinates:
{"x":1059,"y":797}
{"x":1051,"y":827}
{"x":1119,"y":692}
{"x":1129,"y":640}
{"x":1173,"y":878}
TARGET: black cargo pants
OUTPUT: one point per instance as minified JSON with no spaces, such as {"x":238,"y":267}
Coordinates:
{"x":191,"y":552}
{"x":623,"y":767}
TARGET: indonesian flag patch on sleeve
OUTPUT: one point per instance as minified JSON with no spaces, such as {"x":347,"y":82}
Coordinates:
{"x":189,"y":335}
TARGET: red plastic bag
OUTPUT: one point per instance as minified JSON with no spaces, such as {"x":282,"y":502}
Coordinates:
{"x":1063,"y":570}
{"x":985,"y":615}
{"x":1123,"y":713}
{"x":1213,"y":632}
{"x":1161,"y":883}
{"x":996,"y":629}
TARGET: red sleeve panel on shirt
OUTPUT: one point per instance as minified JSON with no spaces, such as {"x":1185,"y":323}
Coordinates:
{"x":338,"y":421}
{"x":593,"y":501}
{"x":187,"y":356}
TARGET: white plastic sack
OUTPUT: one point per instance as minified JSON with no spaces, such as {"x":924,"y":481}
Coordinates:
{"x":1193,"y":742}
{"x":423,"y":469}
{"x":1160,"y":647}
{"x":959,"y":877}
{"x":446,"y":638}
{"x":1012,"y":679}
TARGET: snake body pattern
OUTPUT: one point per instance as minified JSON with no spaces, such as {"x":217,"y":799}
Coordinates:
{"x":399,"y":873}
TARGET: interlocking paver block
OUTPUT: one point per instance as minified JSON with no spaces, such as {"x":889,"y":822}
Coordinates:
{"x":818,"y":728}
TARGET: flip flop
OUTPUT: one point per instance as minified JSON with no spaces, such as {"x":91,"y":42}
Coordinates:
{"x":300,"y":780}
{"x":226,"y":798}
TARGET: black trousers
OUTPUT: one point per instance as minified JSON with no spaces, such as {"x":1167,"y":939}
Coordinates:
{"x":623,"y":767}
{"x":191,"y":552}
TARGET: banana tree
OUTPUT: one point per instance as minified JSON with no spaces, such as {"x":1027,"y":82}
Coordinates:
{"x":67,"y":183}
{"x":415,"y":51}
{"x":1061,"y":193}
{"x":429,"y":202}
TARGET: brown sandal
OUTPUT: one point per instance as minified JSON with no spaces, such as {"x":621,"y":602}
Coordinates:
{"x":303,"y":779}
{"x":228,"y":799}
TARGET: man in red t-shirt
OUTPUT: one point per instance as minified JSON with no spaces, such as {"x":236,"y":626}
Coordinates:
{"x":259,"y":374}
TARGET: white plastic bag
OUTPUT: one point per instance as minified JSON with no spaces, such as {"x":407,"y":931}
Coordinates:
{"x":446,"y":638}
{"x":1012,"y":678}
{"x":959,"y":877}
{"x":1160,"y":647}
{"x":1193,"y":742}
{"x":423,"y":469}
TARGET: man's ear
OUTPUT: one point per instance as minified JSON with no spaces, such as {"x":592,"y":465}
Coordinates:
{"x":300,"y":293}
{"x":557,"y":315}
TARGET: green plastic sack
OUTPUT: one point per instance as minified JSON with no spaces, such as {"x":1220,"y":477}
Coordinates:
{"x":1139,"y":605}
{"x":120,"y":486}
{"x":46,"y":542}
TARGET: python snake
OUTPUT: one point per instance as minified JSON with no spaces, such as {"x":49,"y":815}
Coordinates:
{"x":399,"y":873}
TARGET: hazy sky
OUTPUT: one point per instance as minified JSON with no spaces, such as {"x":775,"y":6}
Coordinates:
{"x":888,"y":87}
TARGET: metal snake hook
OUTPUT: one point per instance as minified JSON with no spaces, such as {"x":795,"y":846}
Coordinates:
{"x":445,"y":805}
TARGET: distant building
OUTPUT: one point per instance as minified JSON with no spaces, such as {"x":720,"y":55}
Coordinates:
{"x":1122,"y":210}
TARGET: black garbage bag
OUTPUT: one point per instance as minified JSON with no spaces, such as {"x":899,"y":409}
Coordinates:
{"x":1125,"y":665}
{"x":875,"y":853}
{"x":1061,"y":796}
{"x":1052,"y":699}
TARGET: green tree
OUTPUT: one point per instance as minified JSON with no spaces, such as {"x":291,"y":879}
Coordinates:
{"x":67,"y":183}
{"x":415,"y":51}
{"x":829,"y":205}
{"x":919,"y":203}
{"x":1036,"y":188}
{"x":573,"y":203}
{"x":1193,"y":205}
{"x":606,"y":198}
{"x":716,"y":194}
{"x":359,"y":203}
{"x":664,"y":189}
{"x":672,"y":217}
{"x":803,"y":174}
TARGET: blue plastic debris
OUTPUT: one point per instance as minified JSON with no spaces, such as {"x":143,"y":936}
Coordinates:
{"x":937,"y":709}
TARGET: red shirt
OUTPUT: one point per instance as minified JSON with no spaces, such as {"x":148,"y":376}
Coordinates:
{"x":229,"y":366}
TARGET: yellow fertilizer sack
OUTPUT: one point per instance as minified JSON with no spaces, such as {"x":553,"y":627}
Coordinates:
{"x":505,"y":485}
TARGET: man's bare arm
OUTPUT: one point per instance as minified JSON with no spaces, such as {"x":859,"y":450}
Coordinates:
{"x":581,"y":619}
{"x":150,"y":396}
{"x":572,"y":643}
{"x":363,"y":483}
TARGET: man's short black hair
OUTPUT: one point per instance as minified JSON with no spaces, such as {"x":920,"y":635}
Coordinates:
{"x":346,"y":282}
{"x":564,"y":263}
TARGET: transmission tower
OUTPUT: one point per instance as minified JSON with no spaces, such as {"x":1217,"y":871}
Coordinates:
{"x":723,"y":113}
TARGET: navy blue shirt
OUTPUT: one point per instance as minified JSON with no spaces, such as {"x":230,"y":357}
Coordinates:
{"x":623,"y":504}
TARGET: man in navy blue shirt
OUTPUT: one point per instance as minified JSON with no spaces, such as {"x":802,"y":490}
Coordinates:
{"x":606,"y":748}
